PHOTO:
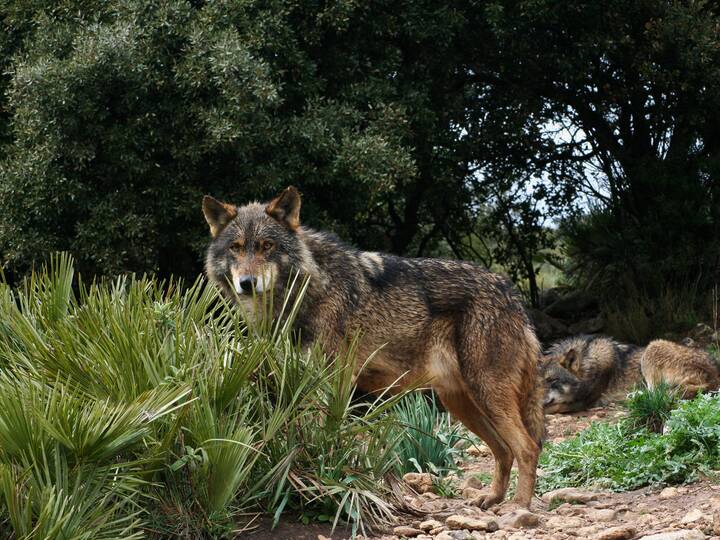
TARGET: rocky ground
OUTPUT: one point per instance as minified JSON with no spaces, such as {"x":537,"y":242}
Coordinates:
{"x":673,"y":513}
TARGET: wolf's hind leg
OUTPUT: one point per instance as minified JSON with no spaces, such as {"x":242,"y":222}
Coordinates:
{"x":462,"y":407}
{"x":507,"y":421}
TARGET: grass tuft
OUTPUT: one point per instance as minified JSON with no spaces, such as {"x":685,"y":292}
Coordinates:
{"x":651,"y":408}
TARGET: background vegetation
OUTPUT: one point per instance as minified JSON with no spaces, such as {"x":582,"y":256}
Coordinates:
{"x":410,"y":126}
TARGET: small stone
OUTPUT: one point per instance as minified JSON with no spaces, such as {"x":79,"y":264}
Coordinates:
{"x":519,"y":519}
{"x":429,"y":525}
{"x":471,"y":494}
{"x":570,"y":495}
{"x":602,"y":515}
{"x":407,"y":532}
{"x":458,"y":522}
{"x":477,"y":450}
{"x":438,"y":530}
{"x":616,"y":533}
{"x":669,"y":493}
{"x":716,"y":522}
{"x":588,"y":531}
{"x":570,"y":510}
{"x":472,"y":481}
{"x":688,"y":534}
{"x":563,"y":522}
{"x":693,"y":515}
{"x":445,"y":535}
{"x":420,"y":482}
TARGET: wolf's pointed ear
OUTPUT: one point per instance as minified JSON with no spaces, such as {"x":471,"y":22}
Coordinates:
{"x":572,"y":361}
{"x":217,"y":214}
{"x":285,"y":208}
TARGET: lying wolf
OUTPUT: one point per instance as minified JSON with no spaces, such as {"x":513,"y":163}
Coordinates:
{"x":453,"y":323}
{"x":688,"y":369}
{"x":588,"y":367}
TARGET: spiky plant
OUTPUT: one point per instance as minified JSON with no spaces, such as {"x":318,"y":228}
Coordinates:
{"x":137,"y":408}
{"x":426,"y":436}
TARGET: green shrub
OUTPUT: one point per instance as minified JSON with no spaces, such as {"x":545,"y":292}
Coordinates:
{"x":622,"y":457}
{"x":651,"y":408}
{"x":133,"y":408}
{"x":426,"y":436}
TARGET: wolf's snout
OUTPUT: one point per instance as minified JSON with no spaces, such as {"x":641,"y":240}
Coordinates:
{"x":247,"y":284}
{"x":244,"y":284}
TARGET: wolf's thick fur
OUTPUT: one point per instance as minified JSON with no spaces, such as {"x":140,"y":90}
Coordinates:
{"x":688,"y":369}
{"x":601,"y":365}
{"x":453,"y":323}
{"x":565,"y":392}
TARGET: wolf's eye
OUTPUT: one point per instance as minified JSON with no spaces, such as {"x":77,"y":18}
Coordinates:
{"x":236,"y":247}
{"x":267,"y":245}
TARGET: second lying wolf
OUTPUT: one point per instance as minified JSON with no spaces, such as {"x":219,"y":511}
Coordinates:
{"x":579,"y":370}
{"x":450,"y":322}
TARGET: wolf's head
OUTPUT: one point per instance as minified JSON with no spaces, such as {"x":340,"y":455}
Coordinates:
{"x":564,"y":392}
{"x":255,"y":247}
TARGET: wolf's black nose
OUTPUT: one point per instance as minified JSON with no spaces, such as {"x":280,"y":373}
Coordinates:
{"x":247,"y":284}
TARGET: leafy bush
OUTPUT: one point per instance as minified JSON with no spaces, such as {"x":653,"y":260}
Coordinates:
{"x":651,"y":408}
{"x":134,"y":408}
{"x":426,"y":436}
{"x":621,"y":457}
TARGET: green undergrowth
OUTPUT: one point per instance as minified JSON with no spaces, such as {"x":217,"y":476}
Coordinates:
{"x":427,"y":437}
{"x":627,"y":455}
{"x":134,"y":409}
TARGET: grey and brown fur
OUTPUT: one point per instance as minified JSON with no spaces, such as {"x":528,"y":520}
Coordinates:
{"x":453,"y":323}
{"x":690,"y":370}
{"x":564,"y":391}
{"x":602,"y":367}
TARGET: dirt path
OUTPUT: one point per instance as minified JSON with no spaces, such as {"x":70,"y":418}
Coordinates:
{"x":684,"y":512}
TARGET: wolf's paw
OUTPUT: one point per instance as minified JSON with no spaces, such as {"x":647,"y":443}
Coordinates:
{"x":508,"y":507}
{"x":486,"y":500}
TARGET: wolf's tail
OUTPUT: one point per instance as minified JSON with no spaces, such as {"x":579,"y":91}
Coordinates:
{"x":533,"y":413}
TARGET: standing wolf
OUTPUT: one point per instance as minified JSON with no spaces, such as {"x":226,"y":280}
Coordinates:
{"x":453,"y":323}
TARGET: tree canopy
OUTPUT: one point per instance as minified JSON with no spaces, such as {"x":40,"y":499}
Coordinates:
{"x":414,"y":127}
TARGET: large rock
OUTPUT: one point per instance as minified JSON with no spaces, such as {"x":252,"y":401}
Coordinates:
{"x":547,"y":327}
{"x":571,"y":305}
{"x":588,"y":326}
{"x":688,"y":534}
{"x":570,"y":495}
{"x":471,"y":524}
